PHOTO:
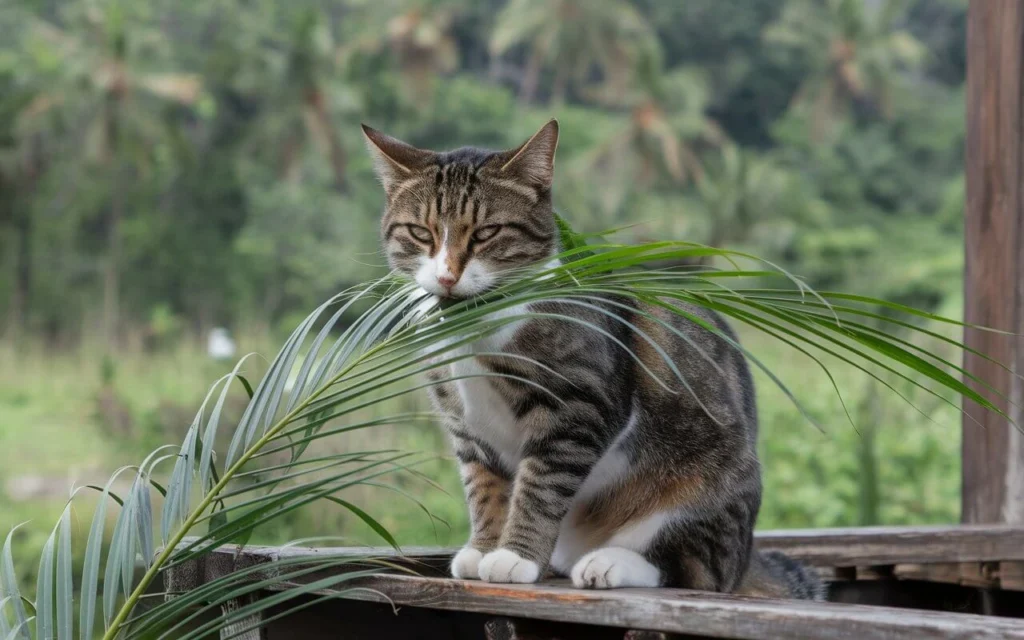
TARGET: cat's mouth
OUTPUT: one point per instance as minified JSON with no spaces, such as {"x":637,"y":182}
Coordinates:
{"x":451,"y":298}
{"x":444,"y":303}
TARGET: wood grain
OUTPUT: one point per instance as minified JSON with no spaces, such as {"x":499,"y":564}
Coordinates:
{"x":825,"y":548}
{"x":1008,"y":576}
{"x":963,"y":554}
{"x":680,"y":611}
{"x":1011,"y":576}
{"x":992,"y":449}
{"x":865,"y":546}
{"x":948,"y":573}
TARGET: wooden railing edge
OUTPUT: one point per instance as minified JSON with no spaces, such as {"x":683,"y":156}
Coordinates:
{"x":909,"y":552}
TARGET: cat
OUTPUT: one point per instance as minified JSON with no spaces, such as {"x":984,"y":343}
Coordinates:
{"x":627,"y":479}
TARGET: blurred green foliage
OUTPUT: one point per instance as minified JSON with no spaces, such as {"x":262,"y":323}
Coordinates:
{"x":168,"y":167}
{"x":167,"y":164}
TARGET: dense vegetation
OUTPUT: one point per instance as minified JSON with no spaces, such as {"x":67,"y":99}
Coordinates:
{"x":182,"y":165}
{"x":167,"y":167}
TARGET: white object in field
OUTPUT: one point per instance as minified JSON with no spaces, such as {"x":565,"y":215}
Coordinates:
{"x":219,"y":345}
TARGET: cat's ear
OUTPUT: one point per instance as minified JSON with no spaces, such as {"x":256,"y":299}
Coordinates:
{"x":393,"y":159}
{"x":533,"y":162}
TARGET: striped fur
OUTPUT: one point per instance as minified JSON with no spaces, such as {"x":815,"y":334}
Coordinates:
{"x":600,"y":463}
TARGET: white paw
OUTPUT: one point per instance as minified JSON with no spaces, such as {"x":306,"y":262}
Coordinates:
{"x":465,"y":564}
{"x":504,"y":565}
{"x":613,"y":567}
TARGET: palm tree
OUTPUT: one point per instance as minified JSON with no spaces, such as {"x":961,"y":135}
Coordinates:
{"x":22,"y":161}
{"x":856,"y":50}
{"x":668,"y":123}
{"x":664,"y":134}
{"x":294,"y":59}
{"x":420,"y":37}
{"x":743,"y":193}
{"x":93,"y":76}
{"x":572,"y":37}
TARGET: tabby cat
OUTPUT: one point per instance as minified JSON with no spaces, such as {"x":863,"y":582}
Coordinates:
{"x":629,"y":480}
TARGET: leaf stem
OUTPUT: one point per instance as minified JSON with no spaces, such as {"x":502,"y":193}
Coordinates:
{"x":211,"y":496}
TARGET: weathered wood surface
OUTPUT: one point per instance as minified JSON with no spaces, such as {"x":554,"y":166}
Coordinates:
{"x":249,"y":628}
{"x":680,"y":611}
{"x":957,"y":555}
{"x":824,"y":548}
{"x":1011,"y":575}
{"x":993,"y":450}
{"x":948,"y":573}
{"x":866,"y":546}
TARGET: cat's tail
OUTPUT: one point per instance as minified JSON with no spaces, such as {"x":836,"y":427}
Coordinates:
{"x":773,"y":574}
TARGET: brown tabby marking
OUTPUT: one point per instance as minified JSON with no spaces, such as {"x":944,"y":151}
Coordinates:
{"x":487,"y":494}
{"x":624,"y":456}
{"x":632,"y":501}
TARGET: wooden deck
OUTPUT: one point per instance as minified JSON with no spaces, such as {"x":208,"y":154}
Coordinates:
{"x":957,"y":572}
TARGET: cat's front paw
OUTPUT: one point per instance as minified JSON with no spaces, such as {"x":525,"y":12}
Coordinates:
{"x":466,"y":564}
{"x":614,"y":567}
{"x":504,"y":565}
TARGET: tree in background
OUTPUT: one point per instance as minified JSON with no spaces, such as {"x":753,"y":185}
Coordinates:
{"x":664,"y":137}
{"x":572,"y":38}
{"x":419,"y":36}
{"x":96,"y":89}
{"x":214,"y":183}
{"x":857,"y":50}
{"x":293,"y":62}
{"x":748,"y":199}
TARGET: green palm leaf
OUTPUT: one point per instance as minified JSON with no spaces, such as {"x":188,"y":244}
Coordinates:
{"x":338,"y":376}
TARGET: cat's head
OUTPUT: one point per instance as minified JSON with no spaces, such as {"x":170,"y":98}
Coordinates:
{"x":459,"y":221}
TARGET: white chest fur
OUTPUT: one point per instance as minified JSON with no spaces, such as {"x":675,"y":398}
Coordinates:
{"x":487,"y":415}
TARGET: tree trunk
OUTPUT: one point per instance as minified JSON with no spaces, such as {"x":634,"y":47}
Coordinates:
{"x":869,"y":490}
{"x":21,"y":210}
{"x":531,"y":76}
{"x":560,"y":85}
{"x":22,"y":271}
{"x":111,"y":267}
{"x":318,"y":105}
{"x":993,"y":449}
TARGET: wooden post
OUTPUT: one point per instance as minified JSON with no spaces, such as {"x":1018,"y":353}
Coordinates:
{"x":993,"y":450}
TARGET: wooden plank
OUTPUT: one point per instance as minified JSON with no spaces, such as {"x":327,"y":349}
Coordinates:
{"x":992,"y":449}
{"x":1011,"y":576}
{"x":979,"y":574}
{"x":875,"y":572}
{"x":1002,"y":575}
{"x":898,"y":545}
{"x":680,"y":611}
{"x":947,"y":573}
{"x":248,"y":628}
{"x":824,"y":548}
{"x":685,"y":612}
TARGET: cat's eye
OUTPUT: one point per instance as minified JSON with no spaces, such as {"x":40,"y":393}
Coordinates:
{"x":420,"y":233}
{"x":486,"y":233}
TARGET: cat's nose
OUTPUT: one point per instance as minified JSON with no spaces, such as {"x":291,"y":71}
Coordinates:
{"x":447,"y":281}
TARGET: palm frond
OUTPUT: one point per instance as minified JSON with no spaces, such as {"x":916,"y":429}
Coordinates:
{"x":326,"y":382}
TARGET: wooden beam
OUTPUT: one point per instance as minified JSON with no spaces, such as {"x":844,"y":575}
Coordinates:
{"x":993,"y":451}
{"x":694,"y":613}
{"x":845,"y":547}
{"x":862,"y":546}
{"x":914,"y":553}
